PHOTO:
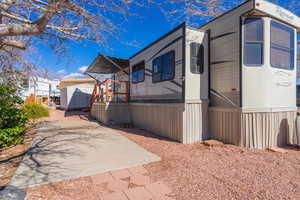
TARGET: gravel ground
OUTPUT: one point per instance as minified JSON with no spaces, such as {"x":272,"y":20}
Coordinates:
{"x":197,"y":172}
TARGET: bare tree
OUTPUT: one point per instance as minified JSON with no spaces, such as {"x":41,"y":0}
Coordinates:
{"x":197,"y":12}
{"x":55,"y":22}
{"x":24,"y":22}
{"x":61,"y":19}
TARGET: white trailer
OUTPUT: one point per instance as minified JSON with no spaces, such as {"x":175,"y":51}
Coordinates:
{"x":233,"y":79}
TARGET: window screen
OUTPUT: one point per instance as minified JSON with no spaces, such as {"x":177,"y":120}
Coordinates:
{"x":163,"y":67}
{"x":138,"y":72}
{"x":253,"y":42}
{"x":197,"y":58}
{"x":282,"y":46}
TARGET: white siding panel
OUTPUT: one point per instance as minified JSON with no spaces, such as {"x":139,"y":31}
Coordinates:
{"x":253,"y":129}
{"x":195,"y":122}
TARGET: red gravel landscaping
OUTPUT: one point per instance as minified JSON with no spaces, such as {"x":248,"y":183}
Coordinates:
{"x":197,"y":172}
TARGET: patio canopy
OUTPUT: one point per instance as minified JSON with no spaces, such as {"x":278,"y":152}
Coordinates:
{"x":108,"y":65}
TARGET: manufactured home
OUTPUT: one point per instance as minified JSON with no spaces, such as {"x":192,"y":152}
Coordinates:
{"x":232,"y":79}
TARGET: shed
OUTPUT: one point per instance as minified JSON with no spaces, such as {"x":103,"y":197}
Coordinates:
{"x":76,"y":96}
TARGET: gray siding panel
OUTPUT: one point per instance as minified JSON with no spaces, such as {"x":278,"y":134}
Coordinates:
{"x":162,"y":119}
{"x":224,"y":125}
{"x":161,"y":90}
{"x":111,"y":112}
{"x":225,"y":54}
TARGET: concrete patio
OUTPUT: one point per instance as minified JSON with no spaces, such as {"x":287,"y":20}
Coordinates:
{"x":77,"y":148}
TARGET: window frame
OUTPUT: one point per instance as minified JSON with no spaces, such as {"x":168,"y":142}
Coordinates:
{"x":161,"y":68}
{"x":142,"y":63}
{"x":294,"y":49}
{"x":200,"y":58}
{"x":260,"y":42}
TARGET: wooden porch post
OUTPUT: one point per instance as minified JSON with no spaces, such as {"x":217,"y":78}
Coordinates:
{"x":100,"y":92}
{"x":107,"y":90}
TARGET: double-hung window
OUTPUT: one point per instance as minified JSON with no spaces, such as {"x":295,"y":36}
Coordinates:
{"x":282,"y":46}
{"x":253,"y":41}
{"x":163,"y":67}
{"x":138,"y":72}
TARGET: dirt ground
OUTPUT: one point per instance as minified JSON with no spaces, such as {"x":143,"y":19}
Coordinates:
{"x":197,"y":172}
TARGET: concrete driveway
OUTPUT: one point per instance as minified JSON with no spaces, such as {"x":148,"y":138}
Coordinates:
{"x":71,"y":149}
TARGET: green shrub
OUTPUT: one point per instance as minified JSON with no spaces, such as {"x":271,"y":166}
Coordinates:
{"x":35,"y":111}
{"x":11,"y":136}
{"x":11,"y":114}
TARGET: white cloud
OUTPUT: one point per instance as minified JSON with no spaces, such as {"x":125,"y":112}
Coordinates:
{"x":82,"y":69}
{"x":73,"y":75}
{"x":62,"y":71}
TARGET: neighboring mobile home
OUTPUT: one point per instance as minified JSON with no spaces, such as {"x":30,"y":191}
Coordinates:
{"x":233,"y":79}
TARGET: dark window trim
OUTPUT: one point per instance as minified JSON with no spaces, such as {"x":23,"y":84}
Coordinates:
{"x":172,"y":78}
{"x":201,"y":64}
{"x":295,"y":53}
{"x":137,"y":65}
{"x":263,"y":42}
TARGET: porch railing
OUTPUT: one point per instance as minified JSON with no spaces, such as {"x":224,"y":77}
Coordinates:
{"x":110,"y":91}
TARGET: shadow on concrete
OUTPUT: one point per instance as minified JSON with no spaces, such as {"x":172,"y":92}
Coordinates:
{"x":45,"y":160}
{"x":84,"y":115}
{"x":138,"y":131}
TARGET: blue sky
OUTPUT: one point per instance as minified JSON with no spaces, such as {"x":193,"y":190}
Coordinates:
{"x":141,"y":30}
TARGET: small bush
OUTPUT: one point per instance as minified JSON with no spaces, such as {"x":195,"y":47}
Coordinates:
{"x":13,"y":118}
{"x":10,"y":103}
{"x":35,"y":111}
{"x":11,"y":136}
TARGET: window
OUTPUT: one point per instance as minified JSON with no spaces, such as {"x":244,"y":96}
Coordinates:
{"x":197,"y":58}
{"x":253,"y":42}
{"x":138,"y":72}
{"x":163,"y":67}
{"x":282,"y":46}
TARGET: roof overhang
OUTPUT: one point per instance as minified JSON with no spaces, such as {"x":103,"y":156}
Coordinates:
{"x":108,"y":65}
{"x":277,"y":12}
